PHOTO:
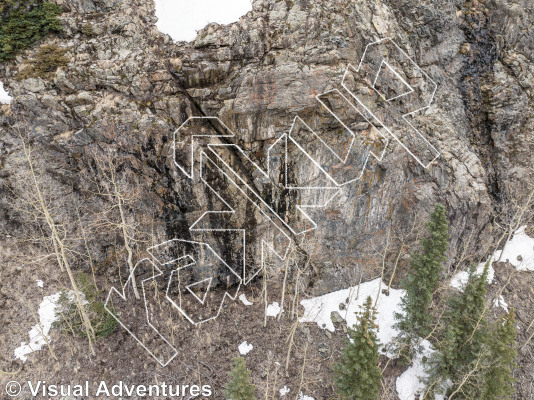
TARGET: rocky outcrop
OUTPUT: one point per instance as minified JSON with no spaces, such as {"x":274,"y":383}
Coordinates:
{"x":127,"y":88}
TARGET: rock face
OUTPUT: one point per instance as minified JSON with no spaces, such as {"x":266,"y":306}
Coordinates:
{"x":127,"y":88}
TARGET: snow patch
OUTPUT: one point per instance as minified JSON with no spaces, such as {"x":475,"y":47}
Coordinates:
{"x":39,"y":333}
{"x":409,"y":383}
{"x":460,"y":279}
{"x":273,"y":309}
{"x":518,"y":251}
{"x":245,"y":348}
{"x":244,"y":300}
{"x":181,"y":19}
{"x":40,"y":283}
{"x":302,"y":396}
{"x":500,"y":302}
{"x":5,"y":98}
{"x":319,"y":309}
{"x":285,"y":390}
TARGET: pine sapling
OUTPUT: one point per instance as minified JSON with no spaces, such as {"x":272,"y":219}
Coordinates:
{"x":499,"y":380}
{"x":240,"y":386}
{"x":462,"y":351}
{"x":422,"y":280}
{"x":357,"y":374}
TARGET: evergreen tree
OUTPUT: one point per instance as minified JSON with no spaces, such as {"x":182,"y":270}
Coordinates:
{"x":461,"y":348}
{"x":357,"y":375}
{"x":499,"y":382}
{"x":240,"y":386}
{"x":23,"y":23}
{"x":465,"y":322}
{"x":423,"y":279}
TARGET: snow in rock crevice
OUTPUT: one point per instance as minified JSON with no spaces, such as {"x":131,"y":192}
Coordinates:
{"x":181,"y":19}
{"x":5,"y":98}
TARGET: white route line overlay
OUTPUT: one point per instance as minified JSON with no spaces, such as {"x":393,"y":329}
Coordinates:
{"x":122,"y":295}
{"x":391,"y":131}
{"x":256,"y":199}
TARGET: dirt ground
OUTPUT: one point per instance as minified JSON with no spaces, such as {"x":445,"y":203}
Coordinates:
{"x":206,"y":351}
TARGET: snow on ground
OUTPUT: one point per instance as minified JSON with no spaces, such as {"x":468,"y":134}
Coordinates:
{"x":5,"y":98}
{"x":47,"y":316}
{"x":408,"y":384}
{"x":245,"y":348}
{"x":319,"y":309}
{"x":181,"y":19}
{"x":39,"y":333}
{"x":244,"y":299}
{"x":500,"y":302}
{"x":273,"y":309}
{"x":40,"y":283}
{"x":285,"y":390}
{"x":460,"y":279}
{"x":518,"y":251}
{"x":302,"y":396}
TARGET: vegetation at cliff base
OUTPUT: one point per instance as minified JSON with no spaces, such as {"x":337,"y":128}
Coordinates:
{"x":357,"y":374}
{"x":499,"y":379}
{"x":24,"y":22}
{"x":70,"y":320}
{"x":422,"y":280}
{"x":463,"y":331}
{"x":474,"y":357}
{"x":240,"y":386}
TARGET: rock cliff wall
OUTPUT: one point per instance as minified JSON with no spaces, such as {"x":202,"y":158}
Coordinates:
{"x":125,"y":89}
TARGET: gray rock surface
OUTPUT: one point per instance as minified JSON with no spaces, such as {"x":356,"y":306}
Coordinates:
{"x":127,"y":88}
{"x":109,"y":116}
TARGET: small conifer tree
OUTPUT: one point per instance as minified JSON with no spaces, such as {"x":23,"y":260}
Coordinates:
{"x":357,"y":375}
{"x":465,"y":323}
{"x":240,"y":386}
{"x":464,"y":332}
{"x":423,"y":280}
{"x":499,"y":381}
